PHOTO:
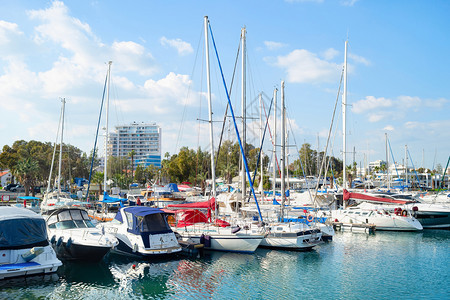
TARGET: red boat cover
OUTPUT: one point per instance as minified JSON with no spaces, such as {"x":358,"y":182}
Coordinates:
{"x":358,"y":196}
{"x":211,"y":204}
{"x":221,"y":223}
{"x":190,"y":217}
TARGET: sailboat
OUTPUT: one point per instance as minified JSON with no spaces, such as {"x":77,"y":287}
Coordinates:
{"x":360,"y":215}
{"x":108,"y":206}
{"x":192,"y":225}
{"x":56,"y":198}
{"x":288,"y":235}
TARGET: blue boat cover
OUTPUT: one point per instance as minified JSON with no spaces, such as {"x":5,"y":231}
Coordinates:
{"x":138,"y":211}
{"x":108,"y":199}
{"x":20,"y":231}
{"x":172,"y":187}
{"x":145,"y":221}
{"x":28,"y":198}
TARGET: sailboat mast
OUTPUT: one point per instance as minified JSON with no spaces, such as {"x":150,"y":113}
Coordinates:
{"x":54,"y":151}
{"x":261,"y":182}
{"x":211,"y":136}
{"x":274,"y":162}
{"x":244,"y":114}
{"x":387,"y":164}
{"x":63,"y":100}
{"x":105,"y":177}
{"x":344,"y":124}
{"x":406,"y":166}
{"x":283,"y":149}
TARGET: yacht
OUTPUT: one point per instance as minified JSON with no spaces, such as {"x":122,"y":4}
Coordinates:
{"x":383,"y":219}
{"x":24,"y":246}
{"x":430,"y":215}
{"x":74,"y":236}
{"x":142,"y":232}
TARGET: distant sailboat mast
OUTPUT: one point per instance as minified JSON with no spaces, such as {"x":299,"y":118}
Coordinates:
{"x":261,"y":181}
{"x":283,"y":150}
{"x":344,"y":124}
{"x":54,"y":151}
{"x":63,"y":100}
{"x":211,"y":136}
{"x":274,"y":162}
{"x":244,"y":115}
{"x":105,"y":177}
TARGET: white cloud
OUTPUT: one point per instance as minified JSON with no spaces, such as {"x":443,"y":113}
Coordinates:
{"x":274,"y":45}
{"x":132,"y":57}
{"x":348,"y":2}
{"x":162,"y":96}
{"x":6,"y":30}
{"x":406,"y":102}
{"x":437,"y":103}
{"x":370,"y":103}
{"x":329,"y":54}
{"x":303,"y":66}
{"x":359,"y":59}
{"x":389,"y":128}
{"x":181,"y":46}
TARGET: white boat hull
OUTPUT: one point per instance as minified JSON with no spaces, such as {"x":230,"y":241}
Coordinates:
{"x":222,"y":239}
{"x":12,"y":263}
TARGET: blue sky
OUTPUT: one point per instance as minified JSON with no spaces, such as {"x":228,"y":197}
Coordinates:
{"x":397,"y":82}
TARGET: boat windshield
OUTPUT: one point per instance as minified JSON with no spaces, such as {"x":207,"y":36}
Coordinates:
{"x":153,"y":223}
{"x":70,"y":219}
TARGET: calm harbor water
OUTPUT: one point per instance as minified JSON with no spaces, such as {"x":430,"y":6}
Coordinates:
{"x":384,"y":265}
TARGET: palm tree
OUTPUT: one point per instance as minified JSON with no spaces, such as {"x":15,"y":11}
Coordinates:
{"x":27,"y":170}
{"x":131,"y":154}
{"x":98,"y":178}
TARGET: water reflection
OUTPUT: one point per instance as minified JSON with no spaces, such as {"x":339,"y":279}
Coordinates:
{"x":353,"y":266}
{"x":31,"y":287}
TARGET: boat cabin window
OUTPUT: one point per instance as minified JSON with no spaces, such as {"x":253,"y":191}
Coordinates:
{"x":365,"y":213}
{"x":81,"y":219}
{"x":70,"y":219}
{"x":153,"y":223}
{"x":357,"y":212}
{"x":129,"y":217}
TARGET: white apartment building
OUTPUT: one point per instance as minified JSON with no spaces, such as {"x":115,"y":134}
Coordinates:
{"x":143,"y":138}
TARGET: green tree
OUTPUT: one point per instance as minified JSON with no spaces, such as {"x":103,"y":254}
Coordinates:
{"x":26,"y":170}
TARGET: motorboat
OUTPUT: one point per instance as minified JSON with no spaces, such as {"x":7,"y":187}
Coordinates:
{"x":383,"y":219}
{"x":24,"y":246}
{"x":430,"y":215}
{"x":74,"y":236}
{"x":142,"y":232}
{"x":54,"y":200}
